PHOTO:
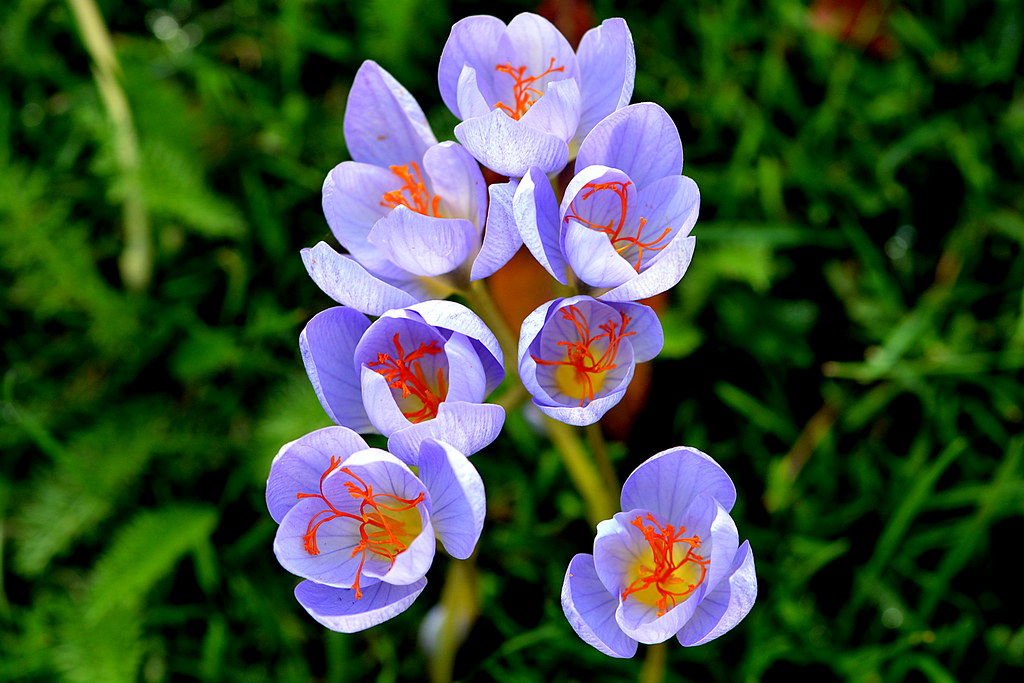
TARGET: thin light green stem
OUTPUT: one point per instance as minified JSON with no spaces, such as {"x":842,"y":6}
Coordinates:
{"x":460,"y":604}
{"x":482,"y":303}
{"x":595,"y":437}
{"x":597,"y":496}
{"x":653,"y":670}
{"x":136,"y":261}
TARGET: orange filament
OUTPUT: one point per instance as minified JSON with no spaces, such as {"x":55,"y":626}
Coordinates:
{"x":619,"y":241}
{"x":389,"y":534}
{"x":522,"y":89}
{"x":587,"y":369}
{"x":406,"y":374}
{"x":665,"y":581}
{"x":413,"y":193}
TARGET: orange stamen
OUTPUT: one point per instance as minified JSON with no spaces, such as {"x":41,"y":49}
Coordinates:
{"x":388,"y":536}
{"x":581,"y":357}
{"x":523,"y":92}
{"x":413,"y":193}
{"x":406,"y":374}
{"x":613,"y":229}
{"x":662,"y":575}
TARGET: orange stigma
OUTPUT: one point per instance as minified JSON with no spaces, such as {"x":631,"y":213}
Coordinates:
{"x":392,"y":527}
{"x":523,"y":92}
{"x":413,"y":193}
{"x":632,"y":247}
{"x":405,"y":373}
{"x":583,"y":371}
{"x":662,"y":579}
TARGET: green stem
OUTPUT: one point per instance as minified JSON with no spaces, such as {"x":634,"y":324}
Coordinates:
{"x":653,"y":670}
{"x":597,"y":496}
{"x":597,"y":444}
{"x":460,"y":604}
{"x":482,"y":303}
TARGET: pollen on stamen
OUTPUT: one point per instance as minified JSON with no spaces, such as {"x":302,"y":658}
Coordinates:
{"x":524,"y":95}
{"x":624,"y":244}
{"x":582,"y":372}
{"x":404,"y":372}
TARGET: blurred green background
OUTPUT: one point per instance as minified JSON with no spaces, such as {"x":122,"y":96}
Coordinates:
{"x":848,"y":342}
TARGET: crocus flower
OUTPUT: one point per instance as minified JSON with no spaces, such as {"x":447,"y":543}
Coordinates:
{"x":415,"y":373}
{"x":406,"y":208}
{"x":577,"y":355}
{"x":359,"y":526}
{"x":624,"y":221}
{"x":524,"y":98}
{"x":669,"y":565}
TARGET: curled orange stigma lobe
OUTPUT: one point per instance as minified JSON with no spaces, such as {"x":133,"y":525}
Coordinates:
{"x":405,"y":373}
{"x":413,"y":193}
{"x":667,"y":580}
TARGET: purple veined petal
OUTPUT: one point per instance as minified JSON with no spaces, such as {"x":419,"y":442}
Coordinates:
{"x":647,"y":339}
{"x":618,"y":546}
{"x":558,"y":111}
{"x":533,"y":42}
{"x":509,"y":147}
{"x":380,"y":403}
{"x":456,"y":178}
{"x":638,"y":618}
{"x":336,"y":539}
{"x":471,"y":102}
{"x":471,"y":42}
{"x":607,"y":65}
{"x":727,"y":605}
{"x":501,"y":237}
{"x":592,"y":257}
{"x":339,"y":610}
{"x":453,"y":316}
{"x":456,"y":496}
{"x":640,"y":139}
{"x":424,"y":245}
{"x":590,"y":609}
{"x":582,"y":416}
{"x":532,"y":325}
{"x":725,"y":539}
{"x":348,"y":283}
{"x":467,"y":380}
{"x":327,"y":344}
{"x":384,"y":125}
{"x":664,"y":274}
{"x":299,"y":464}
{"x":669,"y":203}
{"x":468,"y":427}
{"x":536,"y":216}
{"x":667,"y":482}
{"x":353,"y":201}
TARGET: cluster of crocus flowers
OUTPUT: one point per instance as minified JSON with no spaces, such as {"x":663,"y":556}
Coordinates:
{"x":417,"y":222}
{"x":670,"y":564}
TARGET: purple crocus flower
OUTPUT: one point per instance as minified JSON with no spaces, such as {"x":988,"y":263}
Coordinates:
{"x":577,"y":355}
{"x":524,"y":98}
{"x":669,"y":565}
{"x":415,"y":373}
{"x":405,"y":208}
{"x":624,"y":221}
{"x":359,"y":526}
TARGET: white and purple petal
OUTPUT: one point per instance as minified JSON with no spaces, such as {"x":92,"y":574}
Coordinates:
{"x":327,"y":345}
{"x":384,"y":125}
{"x":662,"y":275}
{"x":455,"y":177}
{"x":607,"y":64}
{"x":468,"y":427}
{"x":501,"y":236}
{"x":510,"y":147}
{"x":537,"y":217}
{"x":667,"y":482}
{"x":471,"y":42}
{"x":423,"y":245}
{"x":339,"y":610}
{"x":590,"y":609}
{"x":726,"y":605}
{"x":348,"y":283}
{"x":456,"y":495}
{"x":640,"y":139}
